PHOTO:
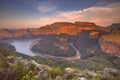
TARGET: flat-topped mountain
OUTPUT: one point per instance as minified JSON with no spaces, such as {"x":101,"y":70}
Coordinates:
{"x":69,"y":28}
{"x":55,"y":28}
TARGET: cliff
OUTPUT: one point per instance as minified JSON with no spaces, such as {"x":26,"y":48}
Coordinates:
{"x":114,"y":26}
{"x":5,"y":33}
{"x":110,"y":43}
{"x":55,"y":28}
{"x":21,"y":33}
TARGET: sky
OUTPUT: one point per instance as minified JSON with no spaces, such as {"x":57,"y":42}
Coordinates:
{"x":37,"y":13}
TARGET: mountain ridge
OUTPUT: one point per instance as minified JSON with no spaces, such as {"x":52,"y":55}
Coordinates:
{"x":55,"y":28}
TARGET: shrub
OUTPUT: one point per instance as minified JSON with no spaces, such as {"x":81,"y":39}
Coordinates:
{"x":30,"y":76}
{"x":56,"y":71}
{"x":21,"y":70}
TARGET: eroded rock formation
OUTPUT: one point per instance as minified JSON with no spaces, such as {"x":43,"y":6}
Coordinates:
{"x":110,"y":44}
{"x":55,"y":28}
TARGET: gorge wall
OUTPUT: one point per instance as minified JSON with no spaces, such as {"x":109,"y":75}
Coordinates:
{"x":110,"y":43}
{"x":55,"y":28}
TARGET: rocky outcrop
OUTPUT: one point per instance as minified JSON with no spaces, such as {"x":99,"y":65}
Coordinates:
{"x":5,"y":33}
{"x":21,"y":32}
{"x":84,"y":23}
{"x":110,"y":44}
{"x":55,"y":28}
{"x":94,"y":33}
{"x":115,"y":26}
{"x":110,"y":48}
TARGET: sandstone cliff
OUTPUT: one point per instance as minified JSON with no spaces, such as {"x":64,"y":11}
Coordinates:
{"x":114,"y":26}
{"x":21,"y":33}
{"x":55,"y":28}
{"x":5,"y":33}
{"x":68,"y":28}
{"x":110,"y":44}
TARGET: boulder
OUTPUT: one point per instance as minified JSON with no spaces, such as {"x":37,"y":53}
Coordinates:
{"x":58,"y":78}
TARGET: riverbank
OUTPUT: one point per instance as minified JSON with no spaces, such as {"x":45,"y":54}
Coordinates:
{"x":77,"y":56}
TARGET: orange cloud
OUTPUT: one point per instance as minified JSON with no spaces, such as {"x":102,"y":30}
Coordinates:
{"x":103,"y":16}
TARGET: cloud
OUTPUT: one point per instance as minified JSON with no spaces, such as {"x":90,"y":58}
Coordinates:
{"x":43,"y":6}
{"x":46,"y":7}
{"x":101,"y":15}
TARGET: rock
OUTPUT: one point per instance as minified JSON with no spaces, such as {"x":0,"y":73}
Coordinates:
{"x":58,"y":78}
{"x":55,"y":28}
{"x":84,"y":23}
{"x":11,"y":59}
{"x":5,"y":33}
{"x":107,"y":72}
{"x":36,"y":64}
{"x":115,"y":26}
{"x":21,"y":33}
{"x":110,"y":44}
{"x":94,"y":34}
{"x":91,"y":73}
{"x":83,"y":78}
{"x":69,"y":70}
{"x":69,"y":76}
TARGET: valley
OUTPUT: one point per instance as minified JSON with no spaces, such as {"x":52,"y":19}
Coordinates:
{"x":82,"y":48}
{"x":59,"y":39}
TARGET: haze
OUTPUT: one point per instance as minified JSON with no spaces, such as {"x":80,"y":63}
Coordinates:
{"x":36,"y":13}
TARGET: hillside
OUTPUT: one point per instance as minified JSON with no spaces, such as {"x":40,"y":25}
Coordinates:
{"x":63,"y":39}
{"x":104,"y":67}
{"x":58,"y":47}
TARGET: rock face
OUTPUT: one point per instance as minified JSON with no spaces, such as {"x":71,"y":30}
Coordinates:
{"x":21,"y":32}
{"x":110,"y":48}
{"x":5,"y":33}
{"x":55,"y":28}
{"x":115,"y":26}
{"x":110,"y":44}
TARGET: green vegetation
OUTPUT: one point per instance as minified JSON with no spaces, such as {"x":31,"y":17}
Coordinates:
{"x":21,"y":70}
{"x":30,"y":76}
{"x":54,"y":47}
{"x":56,"y":71}
{"x":3,"y":61}
{"x":48,"y":69}
{"x":100,"y":66}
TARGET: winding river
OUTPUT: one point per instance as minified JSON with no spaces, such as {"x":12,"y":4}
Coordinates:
{"x":23,"y":46}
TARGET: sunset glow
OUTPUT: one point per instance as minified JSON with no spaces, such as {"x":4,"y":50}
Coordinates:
{"x":36,"y":13}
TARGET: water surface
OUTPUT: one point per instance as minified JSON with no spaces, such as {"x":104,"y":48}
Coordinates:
{"x":22,"y":46}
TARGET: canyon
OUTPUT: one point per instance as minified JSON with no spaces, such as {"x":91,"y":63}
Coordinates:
{"x":86,"y":34}
{"x":55,"y":28}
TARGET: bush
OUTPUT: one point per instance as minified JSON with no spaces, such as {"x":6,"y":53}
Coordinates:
{"x":30,"y":76}
{"x":3,"y":61}
{"x":21,"y":70}
{"x":56,"y":71}
{"x":98,"y":76}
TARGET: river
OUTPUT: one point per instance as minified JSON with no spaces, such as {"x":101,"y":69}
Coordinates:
{"x":22,"y":46}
